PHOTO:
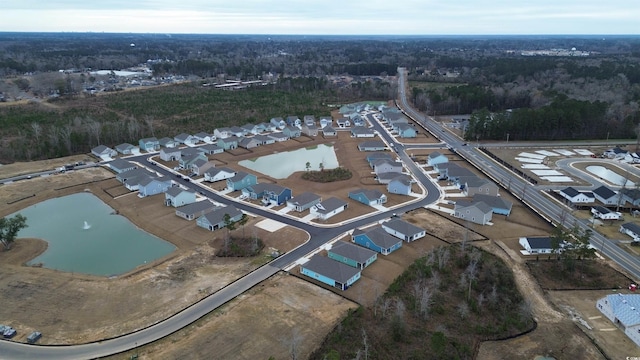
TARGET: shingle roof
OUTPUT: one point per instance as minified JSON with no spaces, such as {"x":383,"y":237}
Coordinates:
{"x":604,"y":192}
{"x":196,"y":207}
{"x":330,"y":268}
{"x":176,"y":190}
{"x":369,"y":194}
{"x":635,"y":228}
{"x":403,"y":227}
{"x":539,"y":242}
{"x":493,"y":201}
{"x":601,"y":209}
{"x":434,"y":155}
{"x":217,"y":216}
{"x":626,"y":308}
{"x":330,"y":204}
{"x":352,"y":251}
{"x":372,"y":144}
{"x":214,"y":171}
{"x":571,"y":192}
{"x":120,"y":164}
{"x":381,"y":238}
{"x":304,"y":198}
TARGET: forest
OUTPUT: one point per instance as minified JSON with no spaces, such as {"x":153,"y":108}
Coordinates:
{"x":509,"y":95}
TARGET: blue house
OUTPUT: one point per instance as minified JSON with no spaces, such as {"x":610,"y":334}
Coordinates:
{"x":352,"y":255}
{"x":291,"y":132}
{"x":400,"y":185}
{"x":153,"y":185}
{"x":377,"y":240}
{"x":436,"y":158}
{"x":149,"y":144}
{"x":269,"y":193}
{"x":241,"y":180}
{"x":278,"y":122}
{"x":497,"y":204}
{"x":229,"y":143}
{"x":374,"y":157}
{"x":330,"y":272}
{"x":176,"y":196}
{"x":120,"y":165}
{"x":406,"y":131}
{"x":368,"y":197}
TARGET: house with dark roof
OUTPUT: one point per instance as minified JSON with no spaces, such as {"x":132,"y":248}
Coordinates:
{"x":168,"y":142}
{"x":279,"y":136}
{"x":497,"y":204}
{"x":186,"y":139}
{"x":102,"y":151}
{"x":329,"y":131}
{"x":328,"y":208}
{"x":386,"y":177}
{"x":536,"y":245}
{"x":210,"y":149}
{"x":237,"y":131}
{"x":353,"y":255}
{"x":436,"y":158}
{"x":200,"y":166}
{"x":400,"y":185}
{"x":330,"y":272}
{"x":623,"y":310}
{"x":215,"y":219}
{"x":303,"y":201}
{"x":194,"y":210}
{"x":368,"y":197}
{"x":120,"y":165}
{"x":607,"y":196}
{"x":149,"y":144}
{"x":204,"y":137}
{"x":241,"y":180}
{"x":153,"y":185}
{"x":217,"y":174}
{"x":372,"y":145}
{"x":373,"y":157}
{"x":603,"y":213}
{"x":291,"y":132}
{"x":377,"y":240}
{"x":264,"y":139}
{"x":134,"y":175}
{"x":309,"y":130}
{"x":126,"y":149}
{"x":186,"y":160}
{"x":577,"y":197}
{"x":293,"y":120}
{"x":176,"y":196}
{"x":403,"y":230}
{"x":452,"y":172}
{"x":631,"y":196}
{"x":362,"y":132}
{"x":249,"y":143}
{"x":269,"y":193}
{"x":476,"y":212}
{"x":472,"y":185}
{"x":170,"y":154}
{"x":631,"y":229}
{"x":405,"y":130}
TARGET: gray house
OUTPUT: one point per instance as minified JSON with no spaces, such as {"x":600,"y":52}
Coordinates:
{"x":329,"y":131}
{"x":400,"y":185}
{"x":303,"y":201}
{"x":195,"y":210}
{"x":170,"y":154}
{"x":120,"y":165}
{"x":352,"y":255}
{"x":403,"y":230}
{"x":210,"y":149}
{"x":176,"y":196}
{"x":384,"y":165}
{"x":328,"y":208}
{"x":372,"y":145}
{"x":102,"y":151}
{"x":215,"y":219}
{"x":217,"y":174}
{"x":310,"y":130}
{"x":476,"y":212}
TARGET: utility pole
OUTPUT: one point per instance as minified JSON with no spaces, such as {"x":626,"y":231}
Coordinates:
{"x":507,"y":138}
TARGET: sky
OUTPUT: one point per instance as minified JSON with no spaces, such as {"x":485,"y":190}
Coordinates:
{"x":313,"y":17}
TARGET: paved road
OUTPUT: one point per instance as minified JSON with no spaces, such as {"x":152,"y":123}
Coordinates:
{"x":529,"y":194}
{"x":318,"y":236}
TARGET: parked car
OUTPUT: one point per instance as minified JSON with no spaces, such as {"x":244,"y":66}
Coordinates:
{"x":33,"y":337}
{"x":9,"y":332}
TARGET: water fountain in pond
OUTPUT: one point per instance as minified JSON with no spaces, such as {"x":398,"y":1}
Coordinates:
{"x":86,"y":226}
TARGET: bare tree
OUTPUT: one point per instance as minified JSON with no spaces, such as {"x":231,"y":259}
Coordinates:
{"x":443,"y":255}
{"x":65,"y":136}
{"x":37,"y":131}
{"x":471,"y":272}
{"x":425,"y":302}
{"x":148,"y":120}
{"x":95,"y":128}
{"x":365,"y":343}
{"x":463,"y":309}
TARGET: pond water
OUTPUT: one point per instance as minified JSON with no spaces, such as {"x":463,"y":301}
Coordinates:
{"x":282,"y":165}
{"x":84,"y":236}
{"x":608,"y":175}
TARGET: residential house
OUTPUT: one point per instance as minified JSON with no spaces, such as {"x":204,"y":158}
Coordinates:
{"x":536,"y":245}
{"x":615,"y":153}
{"x":264,"y":139}
{"x":353,"y":255}
{"x":176,"y":196}
{"x":294,"y":121}
{"x":168,"y":143}
{"x":406,"y":131}
{"x":199,"y":166}
{"x":291,"y":132}
{"x":241,"y":180}
{"x":278,"y":122}
{"x":328,"y":208}
{"x":386,"y":177}
{"x":476,"y":212}
{"x":278,"y":136}
{"x":325,"y":121}
{"x":103,"y":152}
{"x":186,"y":161}
{"x":362,"y":132}
{"x":343,"y":122}
{"x":607,"y":196}
{"x":229,"y":143}
{"x":384,"y":165}
{"x":330,"y":272}
{"x":497,"y":204}
{"x":309,"y":130}
{"x":251,"y":129}
{"x":357,"y":119}
{"x":309,"y":120}
{"x":603,"y":213}
{"x":269,"y":193}
{"x":222,"y":133}
{"x":150,"y":144}
{"x":623,"y":311}
{"x":204,"y":137}
{"x":134,"y":174}
{"x":374,"y":157}
{"x":472,"y":185}
{"x":576,"y":197}
{"x":194,"y":210}
{"x":186,"y":139}
{"x":120,"y":165}
{"x":170,"y":154}
{"x":267,"y":126}
{"x":153,"y":185}
{"x":237,"y":131}
{"x":453,"y":172}
{"x":368,"y":197}
{"x":631,"y":196}
{"x":217,"y":174}
{"x":126,"y":149}
{"x":436,"y":158}
{"x":400,"y":185}
{"x":403,"y":230}
{"x":303,"y":201}
{"x":249,"y":143}
{"x":398,"y":121}
{"x":372,"y":145}
{"x":631,"y":229}
{"x":210,"y":149}
{"x":377,"y":240}
{"x":329,"y":131}
{"x":215,"y":219}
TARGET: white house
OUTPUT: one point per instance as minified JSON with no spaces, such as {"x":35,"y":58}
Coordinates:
{"x":603,"y":213}
{"x":631,"y":229}
{"x":403,"y":230}
{"x":328,"y":208}
{"x":624,"y":312}
{"x":217,"y":174}
{"x":536,"y":245}
{"x":607,"y":196}
{"x":576,"y":197}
